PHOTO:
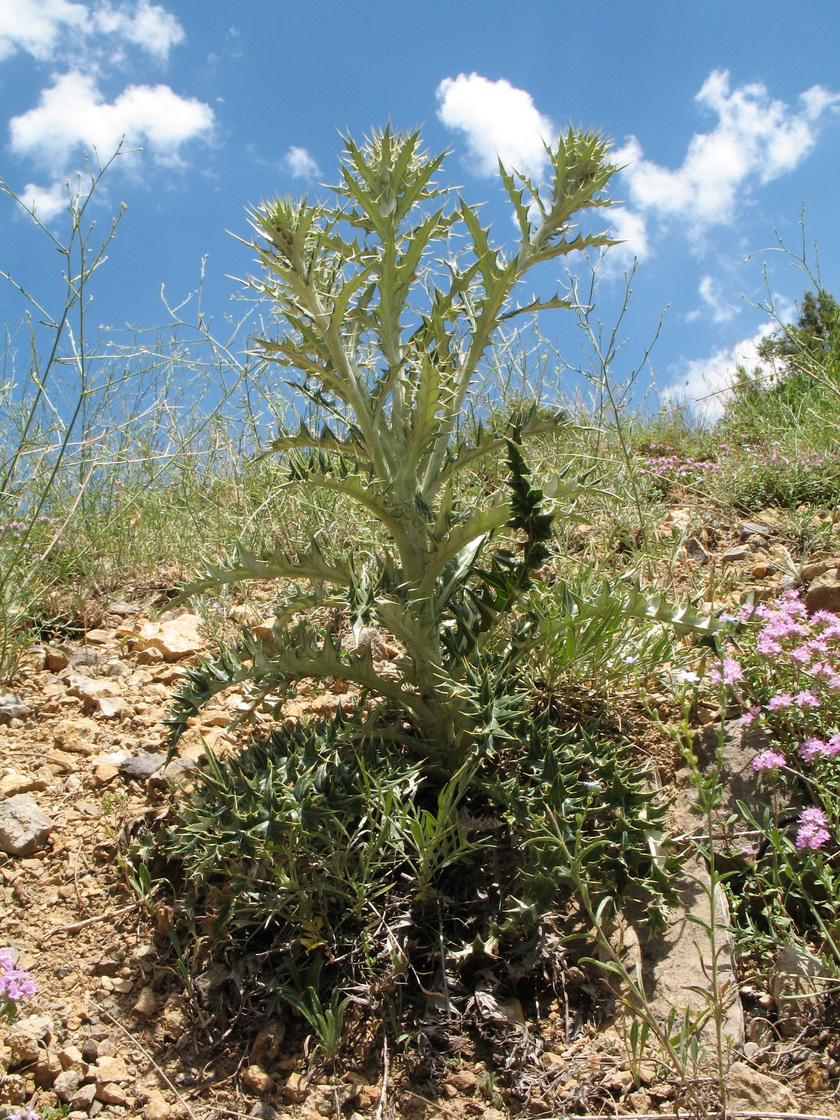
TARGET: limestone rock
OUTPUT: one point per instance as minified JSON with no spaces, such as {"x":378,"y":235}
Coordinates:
{"x":77,"y":736}
{"x":796,"y":984}
{"x":109,"y":1069}
{"x":23,"y":827}
{"x":157,"y":1108}
{"x":12,"y":707}
{"x":66,"y":1084}
{"x":174,"y":638}
{"x":142,"y":765}
{"x":824,"y":593}
{"x":750,"y":1090}
{"x":11,"y":783}
{"x":84,"y":1097}
{"x":91,"y":692}
{"x":146,"y":1004}
{"x":296,"y":1089}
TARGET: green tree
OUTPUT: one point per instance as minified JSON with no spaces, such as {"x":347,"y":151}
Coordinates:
{"x":814,"y":340}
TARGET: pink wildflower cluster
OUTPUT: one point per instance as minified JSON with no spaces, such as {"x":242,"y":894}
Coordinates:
{"x":15,"y":984}
{"x":798,"y":682}
{"x":812,"y":831}
{"x":678,"y":467}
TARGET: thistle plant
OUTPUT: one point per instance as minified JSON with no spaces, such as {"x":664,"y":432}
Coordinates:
{"x":385,"y":328}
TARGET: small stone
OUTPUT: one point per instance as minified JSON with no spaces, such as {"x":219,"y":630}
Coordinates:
{"x":47,"y":1068}
{"x":121,"y":608}
{"x":257,"y":1080}
{"x":464,"y":1083}
{"x":23,"y":827}
{"x":150,"y":656}
{"x":754,"y":1091}
{"x":83,"y":1098}
{"x":110,"y":1093}
{"x":146,"y":1005}
{"x":109,"y":1068}
{"x":142,"y":765}
{"x":78,"y":736}
{"x":105,"y":773}
{"x":263,"y":1111}
{"x":174,"y":638}
{"x":12,"y":707}
{"x":12,"y":783}
{"x":753,"y":529}
{"x":824,"y":593}
{"x":157,"y":1108}
{"x":88,"y":690}
{"x":296,"y":1089}
{"x":23,"y":1048}
{"x":110,"y":707}
{"x":695,"y":551}
{"x":55,"y":659}
{"x":736,"y":555}
{"x":71,"y":1058}
{"x":97,"y":637}
{"x":66,"y":1084}
{"x":267,"y":1044}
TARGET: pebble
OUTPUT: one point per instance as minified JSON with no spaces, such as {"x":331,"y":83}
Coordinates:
{"x":147,"y":1004}
{"x":257,"y":1080}
{"x":23,"y":827}
{"x":157,"y":1108}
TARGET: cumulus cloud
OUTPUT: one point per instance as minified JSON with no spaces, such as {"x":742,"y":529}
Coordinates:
{"x":630,"y":229}
{"x":43,"y":28}
{"x":46,"y":202}
{"x":300,"y":164}
{"x":756,"y":139}
{"x":72,"y":114}
{"x":707,"y":382}
{"x":716,"y":309}
{"x":500,"y":122}
{"x":150,"y":26}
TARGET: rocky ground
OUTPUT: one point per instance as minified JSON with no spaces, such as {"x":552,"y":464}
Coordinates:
{"x":111,"y":1033}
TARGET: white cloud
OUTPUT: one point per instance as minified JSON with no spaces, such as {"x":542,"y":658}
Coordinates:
{"x":707,"y":382}
{"x":72,"y":115}
{"x":300,"y":164}
{"x":34,"y":26}
{"x":717,"y":310}
{"x":150,"y":26}
{"x":630,"y":229}
{"x":500,"y":122}
{"x":47,"y":28}
{"x":756,"y":140}
{"x":47,"y":201}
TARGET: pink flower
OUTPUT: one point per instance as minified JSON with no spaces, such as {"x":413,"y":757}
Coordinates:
{"x":811,"y":748}
{"x":768,"y":760}
{"x":783,"y":700}
{"x":812,"y":831}
{"x":806,"y":699}
{"x":729,"y":673}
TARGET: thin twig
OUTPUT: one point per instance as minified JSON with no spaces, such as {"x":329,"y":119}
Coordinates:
{"x":89,"y":921}
{"x":146,"y":1055}
{"x":383,"y":1093}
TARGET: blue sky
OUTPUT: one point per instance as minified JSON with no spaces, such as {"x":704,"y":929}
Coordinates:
{"x":726,"y":115}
